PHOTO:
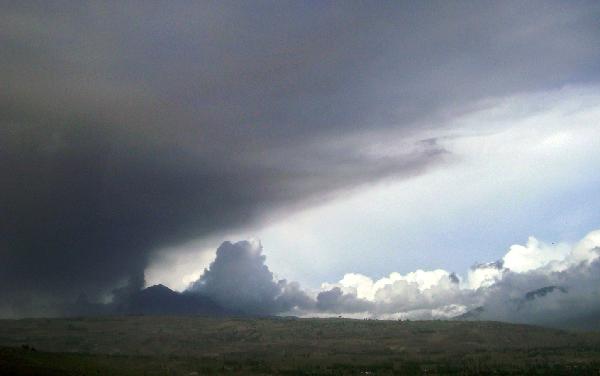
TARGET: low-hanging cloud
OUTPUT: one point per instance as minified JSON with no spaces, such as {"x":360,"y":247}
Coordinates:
{"x":561,"y":291}
{"x":536,"y":283}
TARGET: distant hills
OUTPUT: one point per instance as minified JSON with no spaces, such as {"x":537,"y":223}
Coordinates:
{"x":161,"y":300}
{"x":153,"y":300}
{"x":534,"y":308}
{"x":481,"y":313}
{"x":540,"y":293}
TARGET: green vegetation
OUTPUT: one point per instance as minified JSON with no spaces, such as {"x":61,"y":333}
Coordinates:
{"x":196,"y":346}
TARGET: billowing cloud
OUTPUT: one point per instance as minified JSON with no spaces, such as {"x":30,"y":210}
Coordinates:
{"x":561,"y":290}
{"x":561,"y":293}
{"x":239,"y":280}
{"x":485,"y":274}
{"x":533,"y":255}
{"x":336,"y":301}
{"x":554,"y":285}
{"x":393,"y":294}
{"x":130,"y":128}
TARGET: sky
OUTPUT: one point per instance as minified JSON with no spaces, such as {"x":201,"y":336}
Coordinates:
{"x":345,"y":157}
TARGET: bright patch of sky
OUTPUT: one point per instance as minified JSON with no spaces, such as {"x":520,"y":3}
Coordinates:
{"x":527,"y":166}
{"x":519,"y":167}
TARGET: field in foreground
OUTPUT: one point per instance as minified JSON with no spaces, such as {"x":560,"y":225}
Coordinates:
{"x":196,"y":346}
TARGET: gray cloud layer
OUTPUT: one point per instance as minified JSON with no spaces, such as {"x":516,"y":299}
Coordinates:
{"x":128,"y":128}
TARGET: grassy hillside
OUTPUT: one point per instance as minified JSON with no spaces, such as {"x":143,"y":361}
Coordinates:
{"x":195,"y":345}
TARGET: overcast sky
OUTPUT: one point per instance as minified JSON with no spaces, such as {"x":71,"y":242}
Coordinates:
{"x":347,"y":137}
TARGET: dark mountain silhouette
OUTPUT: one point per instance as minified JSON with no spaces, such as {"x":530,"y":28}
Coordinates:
{"x":161,"y":300}
{"x":472,"y":315}
{"x":531,"y":295}
{"x":480,"y":313}
{"x":154,"y":300}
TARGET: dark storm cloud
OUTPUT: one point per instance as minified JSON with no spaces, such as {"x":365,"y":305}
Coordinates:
{"x":127,"y":128}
